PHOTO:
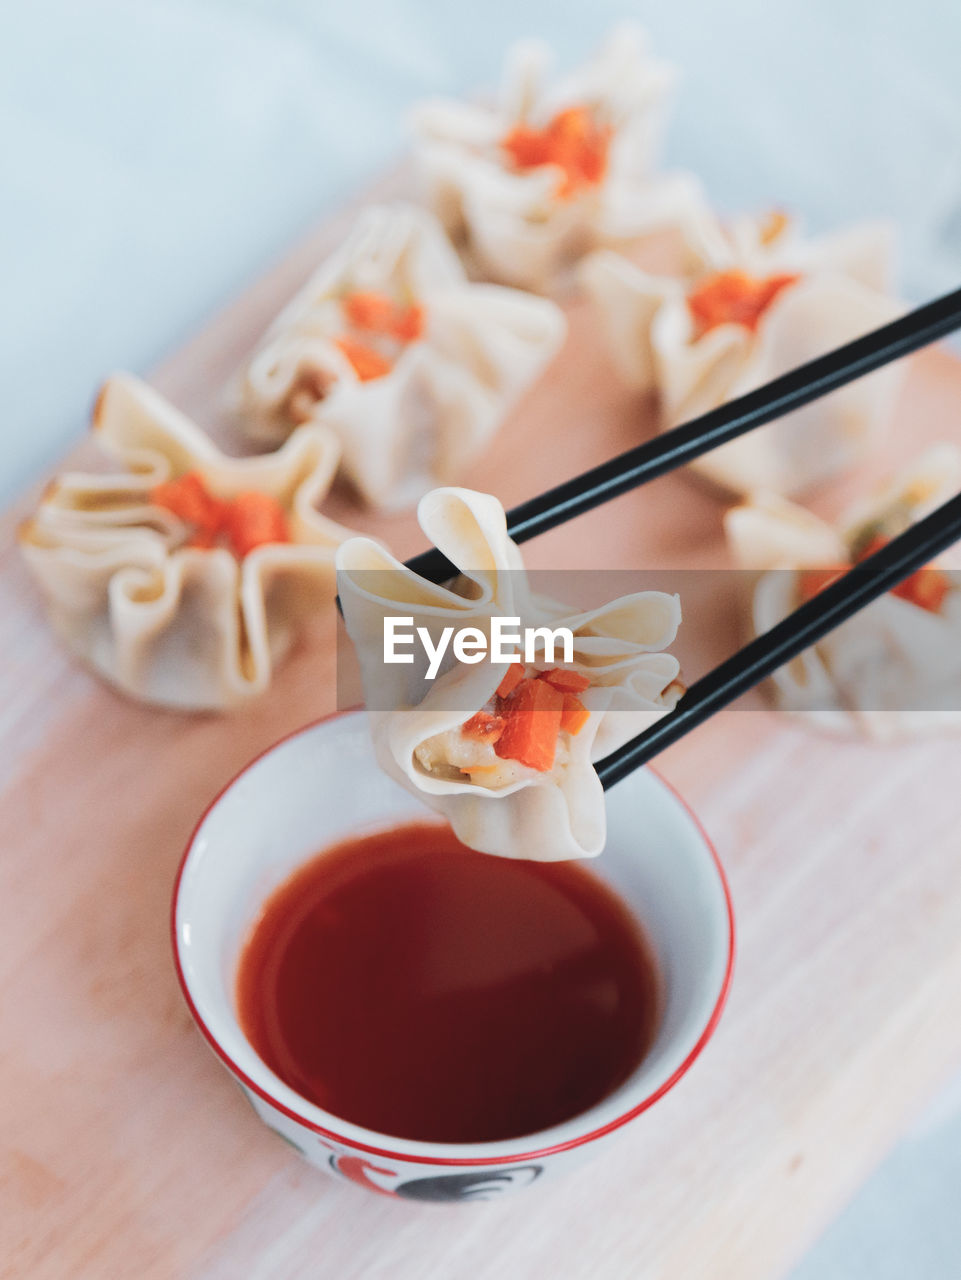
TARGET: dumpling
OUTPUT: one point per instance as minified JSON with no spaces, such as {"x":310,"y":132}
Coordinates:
{"x":503,"y":750}
{"x":892,"y":670}
{"x":759,"y":300}
{"x":550,"y":171}
{"x":391,"y":347}
{"x":182,"y":577}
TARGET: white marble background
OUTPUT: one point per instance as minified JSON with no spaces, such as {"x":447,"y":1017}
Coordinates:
{"x":154,"y":156}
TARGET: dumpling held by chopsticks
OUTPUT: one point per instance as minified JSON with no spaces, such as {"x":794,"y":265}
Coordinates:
{"x":503,"y":749}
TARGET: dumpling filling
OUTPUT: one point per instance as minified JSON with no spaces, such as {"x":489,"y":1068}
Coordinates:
{"x":574,"y":141}
{"x":375,"y":329}
{"x":734,"y":297}
{"x":523,"y":729}
{"x":240,"y":524}
{"x":927,"y":588}
{"x":379,"y":328}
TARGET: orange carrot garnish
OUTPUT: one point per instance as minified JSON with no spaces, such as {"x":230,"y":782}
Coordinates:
{"x":568,"y":681}
{"x":574,"y":715}
{"x":532,"y":721}
{"x":926,"y":588}
{"x":366,"y":362}
{"x":572,"y":140}
{"x":244,"y":522}
{"x":483,"y":726}
{"x":378,"y":313}
{"x":373,"y":311}
{"x":528,"y":148}
{"x":189,"y":499}
{"x":253,"y":519}
{"x":734,"y":297}
{"x":510,"y":680}
{"x":407,"y":324}
{"x":814,"y":580}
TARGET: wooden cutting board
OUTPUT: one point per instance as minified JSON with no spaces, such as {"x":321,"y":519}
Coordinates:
{"x":127,"y":1150}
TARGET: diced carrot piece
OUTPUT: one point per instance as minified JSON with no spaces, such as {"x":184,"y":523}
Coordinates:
{"x":734,"y":297}
{"x":408,"y":323}
{"x":527,"y":147}
{"x":252,"y":520}
{"x":480,"y":768}
{"x":367,"y":363}
{"x":510,"y":679}
{"x":770,"y":288}
{"x":815,"y":580}
{"x":926,"y":588}
{"x":532,"y":722}
{"x":580,"y":147}
{"x":189,"y":499}
{"x":569,"y":681}
{"x":570,"y":128}
{"x":378,"y":313}
{"x":572,"y":140}
{"x":574,"y":715}
{"x":593,"y":161}
{"x":483,"y":726}
{"x":247,"y":521}
{"x":373,"y":311}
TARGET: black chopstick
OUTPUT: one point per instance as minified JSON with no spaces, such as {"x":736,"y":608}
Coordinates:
{"x":682,"y":444}
{"x":901,"y":557}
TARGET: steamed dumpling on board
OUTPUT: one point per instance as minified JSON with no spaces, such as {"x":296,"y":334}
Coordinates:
{"x":392,"y":348}
{"x":552,"y":170}
{"x":892,"y":670}
{"x":759,"y":300}
{"x":505,"y":752}
{"x":182,"y":577}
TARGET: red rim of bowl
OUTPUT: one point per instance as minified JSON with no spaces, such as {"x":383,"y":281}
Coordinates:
{"x":385,"y":1152}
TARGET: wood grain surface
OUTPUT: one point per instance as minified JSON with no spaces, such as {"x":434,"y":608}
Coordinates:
{"x":127,"y":1151}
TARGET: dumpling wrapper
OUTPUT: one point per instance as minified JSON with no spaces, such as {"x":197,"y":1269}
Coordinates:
{"x":514,"y":225}
{"x":167,"y":623}
{"x":543,"y":816}
{"x":839,"y":684}
{"x":447,"y":392}
{"x":843,"y":292}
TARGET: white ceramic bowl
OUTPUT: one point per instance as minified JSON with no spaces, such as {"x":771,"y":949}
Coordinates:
{"x":322,"y":785}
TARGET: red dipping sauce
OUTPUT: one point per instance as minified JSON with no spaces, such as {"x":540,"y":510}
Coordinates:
{"x":412,"y":986}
